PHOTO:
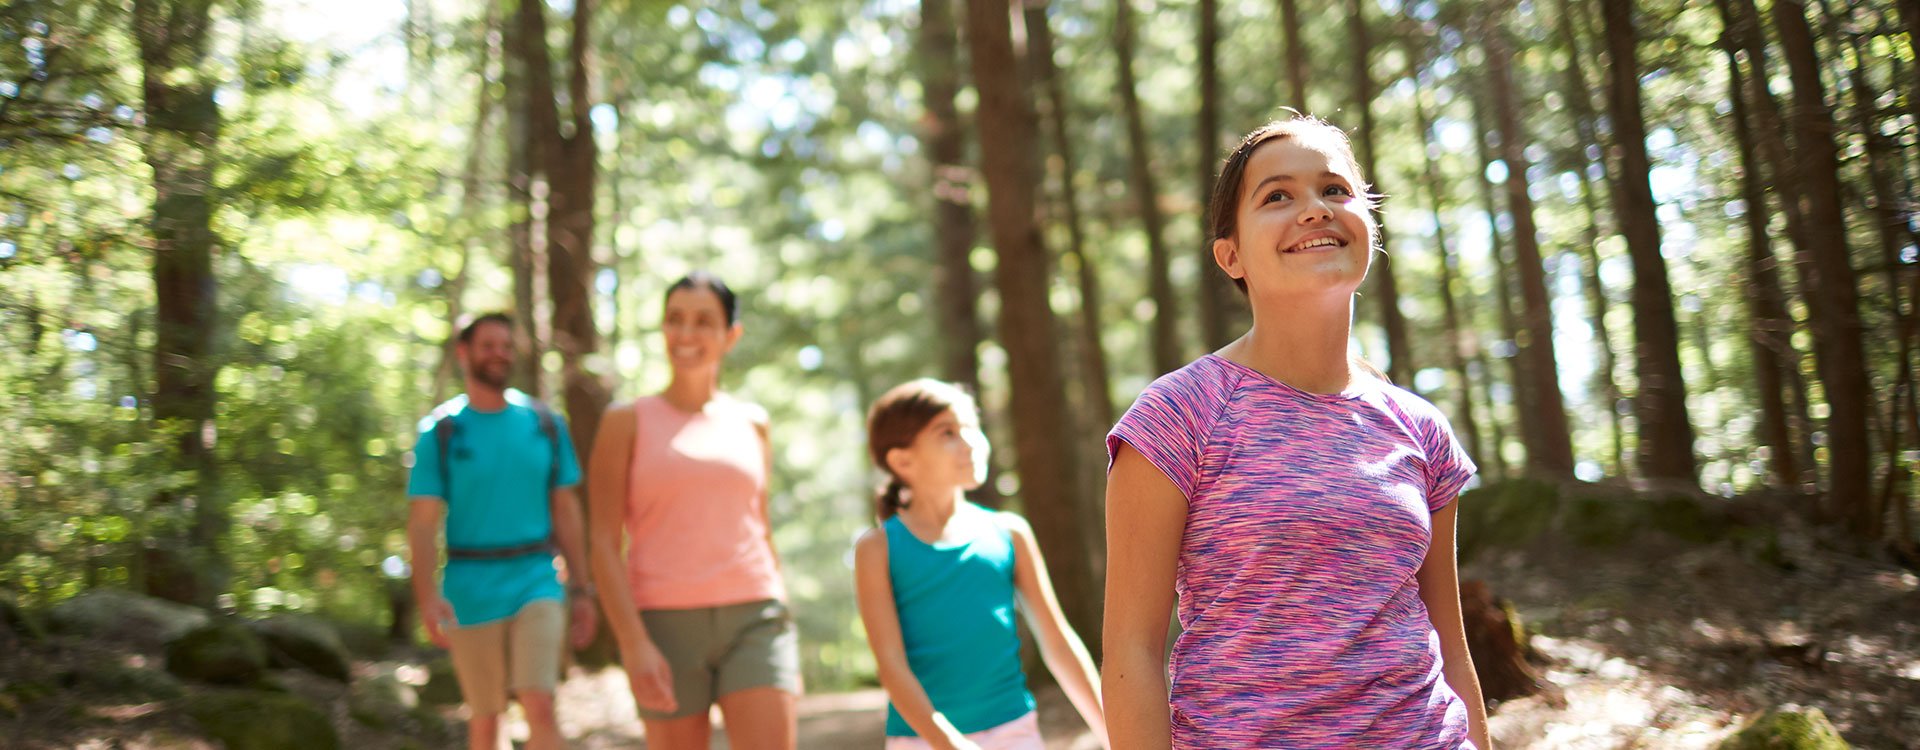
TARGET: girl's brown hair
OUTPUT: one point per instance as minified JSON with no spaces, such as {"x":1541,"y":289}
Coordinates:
{"x":895,"y":420}
{"x":1223,"y":209}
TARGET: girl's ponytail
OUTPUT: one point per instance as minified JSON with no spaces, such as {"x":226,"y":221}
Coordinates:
{"x":891,"y":498}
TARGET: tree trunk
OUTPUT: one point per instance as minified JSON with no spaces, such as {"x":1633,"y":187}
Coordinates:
{"x":527,"y":373}
{"x":1041,"y":444}
{"x":181,"y":145}
{"x":1386,"y":290}
{"x":569,"y":162}
{"x":1166,"y":318}
{"x":1296,"y":57}
{"x":1579,"y":96}
{"x":1459,"y":340}
{"x":1098,"y":393}
{"x":1499,"y":648}
{"x":1218,"y":296}
{"x":1772,"y":325}
{"x":453,"y":290}
{"x":1832,"y":296}
{"x":1550,"y":446}
{"x":1889,"y":224}
{"x":1509,"y":322}
{"x":953,"y":209}
{"x":1665,"y":447}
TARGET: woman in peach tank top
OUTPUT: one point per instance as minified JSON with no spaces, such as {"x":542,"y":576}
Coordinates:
{"x":678,"y":481}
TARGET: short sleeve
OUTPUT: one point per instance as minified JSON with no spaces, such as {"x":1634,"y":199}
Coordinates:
{"x":1169,"y":425}
{"x":424,"y":480}
{"x":569,"y":463}
{"x":1448,"y":465}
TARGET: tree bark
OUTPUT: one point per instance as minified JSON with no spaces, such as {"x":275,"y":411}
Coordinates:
{"x":1550,"y":446}
{"x":1097,"y":392}
{"x":1503,"y":296}
{"x":1166,"y":318}
{"x":953,"y":208}
{"x":1041,"y":444}
{"x":1771,"y":325}
{"x":1296,"y":58}
{"x":453,"y":290}
{"x":1386,"y":290}
{"x":1665,"y":447}
{"x":527,"y":372}
{"x":1889,"y":224}
{"x":1831,"y":293}
{"x":1218,"y":296}
{"x":181,"y":145}
{"x":1459,"y":340}
{"x":1579,"y":96}
{"x":569,"y":162}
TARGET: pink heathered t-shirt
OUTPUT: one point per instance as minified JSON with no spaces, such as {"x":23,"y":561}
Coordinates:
{"x":1308,"y":516}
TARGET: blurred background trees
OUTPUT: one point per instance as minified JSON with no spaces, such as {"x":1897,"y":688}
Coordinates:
{"x":1628,"y":242}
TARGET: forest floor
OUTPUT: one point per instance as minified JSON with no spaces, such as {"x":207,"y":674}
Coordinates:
{"x":1654,"y":644}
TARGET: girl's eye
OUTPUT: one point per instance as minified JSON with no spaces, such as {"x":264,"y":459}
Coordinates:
{"x":1339,"y":190}
{"x":1275,"y":196}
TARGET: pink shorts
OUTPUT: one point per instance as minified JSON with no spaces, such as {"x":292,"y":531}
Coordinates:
{"x":1020,"y":734}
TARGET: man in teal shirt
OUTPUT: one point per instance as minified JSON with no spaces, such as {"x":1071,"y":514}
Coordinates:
{"x":496,"y":469}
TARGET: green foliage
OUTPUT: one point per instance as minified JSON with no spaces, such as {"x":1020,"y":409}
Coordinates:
{"x":259,"y":720}
{"x":1787,"y":729}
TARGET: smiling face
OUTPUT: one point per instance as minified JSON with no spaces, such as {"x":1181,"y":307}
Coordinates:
{"x":1302,"y":223}
{"x":696,"y":328}
{"x":487,"y":356}
{"x":951,"y":451}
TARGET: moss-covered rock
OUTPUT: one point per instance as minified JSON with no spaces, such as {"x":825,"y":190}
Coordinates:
{"x":124,"y":616}
{"x":22,"y":623}
{"x":442,"y":688}
{"x":128,"y":682}
{"x":257,"y":720}
{"x":381,"y":701}
{"x":297,"y":642}
{"x":1789,"y":728}
{"x":222,"y":653}
{"x":1505,"y":514}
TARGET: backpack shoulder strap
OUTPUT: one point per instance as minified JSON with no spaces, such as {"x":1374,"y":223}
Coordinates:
{"x":549,"y":426}
{"x":443,"y":430}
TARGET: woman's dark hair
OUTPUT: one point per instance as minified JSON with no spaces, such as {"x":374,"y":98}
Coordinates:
{"x":712,"y":283}
{"x":895,"y":420}
{"x":1223,"y":209}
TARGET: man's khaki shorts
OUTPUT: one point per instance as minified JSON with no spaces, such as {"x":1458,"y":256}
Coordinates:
{"x":714,"y":651}
{"x":520,"y":653}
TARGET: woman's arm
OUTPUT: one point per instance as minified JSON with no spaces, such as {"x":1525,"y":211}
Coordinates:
{"x":608,"y":472}
{"x":1060,"y":647}
{"x":1146,"y":516}
{"x":766,"y":493}
{"x":874,"y":592}
{"x":1440,"y":589}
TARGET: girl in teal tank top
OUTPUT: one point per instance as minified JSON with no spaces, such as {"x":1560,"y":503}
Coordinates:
{"x":938,"y":581}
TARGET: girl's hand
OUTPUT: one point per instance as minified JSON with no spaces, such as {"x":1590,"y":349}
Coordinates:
{"x":649,"y":676}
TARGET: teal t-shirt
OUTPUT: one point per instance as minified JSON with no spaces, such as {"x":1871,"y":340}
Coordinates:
{"x":955,"y":603}
{"x":498,"y":464}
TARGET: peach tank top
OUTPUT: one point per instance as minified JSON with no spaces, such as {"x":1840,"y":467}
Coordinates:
{"x":696,"y":536}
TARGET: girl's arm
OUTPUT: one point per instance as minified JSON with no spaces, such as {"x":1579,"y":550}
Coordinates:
{"x":607,"y":476}
{"x":874,"y":592}
{"x":1440,"y":589}
{"x":1060,"y":647}
{"x":1146,"y":516}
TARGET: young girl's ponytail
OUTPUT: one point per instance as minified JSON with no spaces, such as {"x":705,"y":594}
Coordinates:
{"x":896,"y":420}
{"x":891,"y":498}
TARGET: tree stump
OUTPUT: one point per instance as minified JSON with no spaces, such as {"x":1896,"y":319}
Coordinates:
{"x":1499,"y":648}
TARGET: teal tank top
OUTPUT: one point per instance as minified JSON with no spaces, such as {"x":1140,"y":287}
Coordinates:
{"x":955,"y":602}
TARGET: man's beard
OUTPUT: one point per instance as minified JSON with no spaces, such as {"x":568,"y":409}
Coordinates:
{"x":493,"y":377}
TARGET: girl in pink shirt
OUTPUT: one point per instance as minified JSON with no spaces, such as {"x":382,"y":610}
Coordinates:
{"x":679,"y":481}
{"x":1300,"y":506}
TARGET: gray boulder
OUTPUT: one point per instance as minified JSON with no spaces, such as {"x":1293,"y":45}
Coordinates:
{"x":297,"y":642}
{"x":221,"y":653}
{"x":120,"y":615}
